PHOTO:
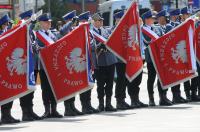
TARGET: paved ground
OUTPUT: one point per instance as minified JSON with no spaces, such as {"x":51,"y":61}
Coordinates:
{"x":177,"y":118}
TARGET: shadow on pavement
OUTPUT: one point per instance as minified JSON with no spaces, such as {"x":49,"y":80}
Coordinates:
{"x":194,"y":103}
{"x":66,"y":119}
{"x":2,"y":128}
{"x":170,"y":108}
{"x":116,"y":114}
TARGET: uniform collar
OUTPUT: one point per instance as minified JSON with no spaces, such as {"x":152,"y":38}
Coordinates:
{"x":148,"y":26}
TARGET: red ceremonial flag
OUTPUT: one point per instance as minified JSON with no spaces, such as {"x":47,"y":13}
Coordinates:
{"x":124,"y":42}
{"x":173,"y":55}
{"x":197,"y":44}
{"x":14,"y":78}
{"x":65,"y":64}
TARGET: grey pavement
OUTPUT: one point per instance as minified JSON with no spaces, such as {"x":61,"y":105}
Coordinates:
{"x":177,"y":118}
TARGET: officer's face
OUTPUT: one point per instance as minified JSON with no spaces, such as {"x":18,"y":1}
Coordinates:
{"x":101,"y":21}
{"x":140,"y":21}
{"x":182,"y":18}
{"x":185,"y":16}
{"x":174,"y":18}
{"x":117,"y":21}
{"x":162,"y":20}
{"x":97,"y":23}
{"x":149,"y":21}
{"x":5,"y":25}
{"x":46,"y":25}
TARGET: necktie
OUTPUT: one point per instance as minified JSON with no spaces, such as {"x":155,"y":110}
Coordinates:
{"x":46,"y":33}
{"x":99,"y":31}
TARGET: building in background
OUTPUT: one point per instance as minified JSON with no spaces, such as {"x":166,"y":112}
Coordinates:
{"x":5,"y":6}
{"x":15,"y":7}
{"x":90,"y":5}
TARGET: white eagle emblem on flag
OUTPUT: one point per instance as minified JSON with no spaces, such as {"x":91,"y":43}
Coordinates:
{"x":180,"y":53}
{"x":133,"y":37}
{"x":17,"y":62}
{"x":76,"y":62}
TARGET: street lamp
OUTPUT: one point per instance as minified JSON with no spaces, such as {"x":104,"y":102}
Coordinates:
{"x":36,"y":5}
{"x":49,"y":7}
{"x":177,"y":4}
{"x":83,"y":5}
{"x":13,"y":9}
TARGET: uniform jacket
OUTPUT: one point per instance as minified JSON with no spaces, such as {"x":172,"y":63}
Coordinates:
{"x":66,"y":28}
{"x":147,"y":40}
{"x":105,"y":58}
{"x":42,"y":45}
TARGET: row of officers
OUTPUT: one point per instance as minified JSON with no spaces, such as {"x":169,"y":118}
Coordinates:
{"x":105,"y":65}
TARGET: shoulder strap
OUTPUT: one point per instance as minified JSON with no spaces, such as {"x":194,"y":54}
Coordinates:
{"x":46,"y":40}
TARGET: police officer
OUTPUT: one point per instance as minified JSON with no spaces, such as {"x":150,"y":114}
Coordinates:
{"x":174,"y":17}
{"x":85,"y":97}
{"x":198,"y":67}
{"x":148,"y":23}
{"x":187,"y":88}
{"x":47,"y":94}
{"x":162,"y":18}
{"x":174,"y":21}
{"x":71,"y":21}
{"x":6,"y":117}
{"x":195,"y":84}
{"x":104,"y":68}
{"x":134,"y":86}
{"x":26,"y":102}
{"x":120,"y":87}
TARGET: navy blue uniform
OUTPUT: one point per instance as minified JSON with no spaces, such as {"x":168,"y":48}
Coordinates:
{"x":104,"y":69}
{"x":151,"y":70}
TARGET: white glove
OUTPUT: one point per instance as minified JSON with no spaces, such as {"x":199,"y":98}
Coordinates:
{"x":34,"y":17}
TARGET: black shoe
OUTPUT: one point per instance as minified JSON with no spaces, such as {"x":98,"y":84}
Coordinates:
{"x":68,"y":110}
{"x":74,"y":109}
{"x":86,"y":110}
{"x":101,"y":108}
{"x":133,"y":105}
{"x":177,"y":99}
{"x":26,"y":116}
{"x":9,"y":120}
{"x":110,"y":108}
{"x":165,"y":102}
{"x":122,"y":105}
{"x":101,"y":105}
{"x":6,"y":117}
{"x":34,"y":115}
{"x":141,"y":105}
{"x":188,"y":99}
{"x":55,"y":114}
{"x":47,"y":113}
{"x":152,"y":102}
{"x":138,"y":104}
{"x":183,"y":100}
{"x":94,"y":110}
{"x":195,"y":98}
{"x":188,"y":96}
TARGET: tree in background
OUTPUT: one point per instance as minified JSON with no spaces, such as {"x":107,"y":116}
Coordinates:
{"x":58,"y":8}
